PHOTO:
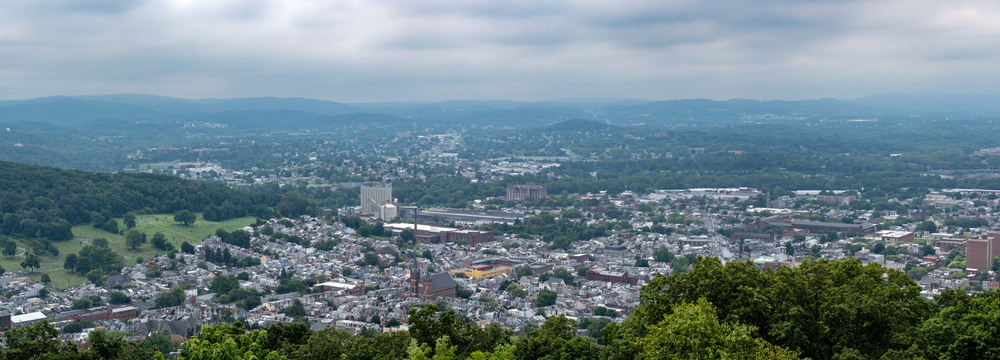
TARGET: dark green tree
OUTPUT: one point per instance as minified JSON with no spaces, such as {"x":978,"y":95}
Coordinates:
{"x":186,"y":217}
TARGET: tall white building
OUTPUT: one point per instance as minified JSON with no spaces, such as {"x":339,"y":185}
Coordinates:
{"x":374,"y":196}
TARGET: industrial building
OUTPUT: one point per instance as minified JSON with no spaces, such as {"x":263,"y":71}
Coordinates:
{"x":427,"y":234}
{"x":373,"y":197}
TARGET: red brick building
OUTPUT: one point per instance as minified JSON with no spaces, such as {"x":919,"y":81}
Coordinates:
{"x":122,"y":314}
{"x":432,"y":287}
{"x":615,"y":277}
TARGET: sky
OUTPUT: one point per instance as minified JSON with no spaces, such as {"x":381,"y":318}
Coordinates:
{"x":428,"y":50}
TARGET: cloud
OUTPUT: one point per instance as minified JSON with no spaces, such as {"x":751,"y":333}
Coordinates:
{"x":431,"y":50}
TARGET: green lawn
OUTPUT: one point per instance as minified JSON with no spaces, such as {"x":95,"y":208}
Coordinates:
{"x":149,"y":224}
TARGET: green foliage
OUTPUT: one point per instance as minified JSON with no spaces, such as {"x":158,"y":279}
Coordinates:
{"x":173,"y":297}
{"x":82,"y":303}
{"x":545,"y":297}
{"x":31,"y":262}
{"x":224,"y":284}
{"x":186,"y":217}
{"x":693,"y":331}
{"x":77,"y":327}
{"x":295,"y":310}
{"x":228,"y":342}
{"x":134,"y":239}
{"x":817,"y":308}
{"x":119,"y":298}
{"x":159,"y":342}
{"x":662,"y":254}
{"x":523,"y":271}
{"x":96,"y":257}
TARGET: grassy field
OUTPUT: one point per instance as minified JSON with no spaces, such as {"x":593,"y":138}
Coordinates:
{"x":149,"y":224}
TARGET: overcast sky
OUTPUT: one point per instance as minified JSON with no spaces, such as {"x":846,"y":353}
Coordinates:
{"x":377,"y":50}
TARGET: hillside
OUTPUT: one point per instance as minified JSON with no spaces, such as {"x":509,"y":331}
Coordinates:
{"x":45,"y":202}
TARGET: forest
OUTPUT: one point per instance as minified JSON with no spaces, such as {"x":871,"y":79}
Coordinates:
{"x":43,"y":202}
{"x":820,"y":310}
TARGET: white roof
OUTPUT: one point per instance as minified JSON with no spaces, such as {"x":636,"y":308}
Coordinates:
{"x":37,"y":315}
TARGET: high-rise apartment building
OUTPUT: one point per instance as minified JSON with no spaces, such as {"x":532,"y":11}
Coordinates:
{"x":525,"y":192}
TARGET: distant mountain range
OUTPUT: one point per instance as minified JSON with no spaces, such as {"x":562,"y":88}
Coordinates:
{"x":270,"y":111}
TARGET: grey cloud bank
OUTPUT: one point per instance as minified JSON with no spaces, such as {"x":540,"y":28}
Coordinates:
{"x":520,"y":50}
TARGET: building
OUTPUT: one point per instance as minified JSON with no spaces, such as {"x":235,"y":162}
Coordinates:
{"x":433,"y":286}
{"x":8,"y":321}
{"x":427,"y":234}
{"x":525,"y":192}
{"x":980,"y":252}
{"x":373,"y":197}
{"x":388,"y":211}
{"x":615,"y":277}
{"x":837,"y":199}
{"x":483,"y":271}
{"x":122,"y":314}
{"x":894,"y":236}
{"x":815,"y":227}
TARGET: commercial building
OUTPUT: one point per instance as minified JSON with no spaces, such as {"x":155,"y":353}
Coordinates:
{"x":525,"y":192}
{"x":373,"y":197}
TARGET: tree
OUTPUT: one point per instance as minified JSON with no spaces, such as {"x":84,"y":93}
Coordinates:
{"x":515,"y":290}
{"x":545,"y":298}
{"x":70,"y":262}
{"x":82,"y":303}
{"x":642,"y":262}
{"x":31,"y":262}
{"x":159,"y":241}
{"x":173,"y":297}
{"x":797,"y":307}
{"x":31,"y":342}
{"x":157,"y":341}
{"x":185,"y":246}
{"x":129,"y":220}
{"x":229,"y":342}
{"x":96,"y":276}
{"x":224,"y":284}
{"x":295,"y":310}
{"x":662,"y":254}
{"x":133,"y":239}
{"x":10,"y":247}
{"x":524,"y":271}
{"x":928,"y":226}
{"x":46,"y":279}
{"x":101,"y":242}
{"x":693,"y":331}
{"x":186,"y":217}
{"x":407,"y":236}
{"x":119,"y":298}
